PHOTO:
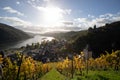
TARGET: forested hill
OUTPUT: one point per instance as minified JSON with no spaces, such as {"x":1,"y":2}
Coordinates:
{"x":11,"y":34}
{"x":66,"y":35}
{"x":104,"y":38}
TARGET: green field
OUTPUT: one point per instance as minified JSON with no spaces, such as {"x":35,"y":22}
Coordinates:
{"x":92,"y":75}
{"x":99,"y":75}
{"x":53,"y":75}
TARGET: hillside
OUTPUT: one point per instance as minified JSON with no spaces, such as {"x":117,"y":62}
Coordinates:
{"x":66,"y":35}
{"x":104,"y":38}
{"x":11,"y":34}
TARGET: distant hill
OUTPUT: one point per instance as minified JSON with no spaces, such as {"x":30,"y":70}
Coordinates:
{"x":104,"y":38}
{"x":10,"y":34}
{"x":66,"y":35}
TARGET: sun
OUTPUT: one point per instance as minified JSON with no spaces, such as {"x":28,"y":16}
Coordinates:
{"x":52,"y":15}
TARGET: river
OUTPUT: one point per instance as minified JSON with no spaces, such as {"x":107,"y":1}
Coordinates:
{"x":35,"y":39}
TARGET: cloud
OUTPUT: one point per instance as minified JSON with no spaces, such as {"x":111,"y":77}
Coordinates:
{"x":21,"y":24}
{"x":48,"y":0}
{"x":17,"y":2}
{"x":32,"y":0}
{"x":101,"y":20}
{"x":29,"y":27}
{"x":63,"y":11}
{"x":68,"y":22}
{"x":14,"y":21}
{"x":34,"y":3}
{"x":67,"y":11}
{"x":91,"y":16}
{"x":10,"y":10}
{"x":75,"y":25}
{"x":106,"y":15}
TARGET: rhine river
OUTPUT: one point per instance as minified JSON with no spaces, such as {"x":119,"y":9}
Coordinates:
{"x":35,"y":39}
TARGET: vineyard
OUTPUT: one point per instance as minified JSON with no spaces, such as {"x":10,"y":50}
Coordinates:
{"x":26,"y":68}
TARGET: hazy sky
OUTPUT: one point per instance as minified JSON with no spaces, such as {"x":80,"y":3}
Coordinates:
{"x":58,"y":15}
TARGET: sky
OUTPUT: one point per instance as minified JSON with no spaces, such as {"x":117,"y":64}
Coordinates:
{"x":40,"y":16}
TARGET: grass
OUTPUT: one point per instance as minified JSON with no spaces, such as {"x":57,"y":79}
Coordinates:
{"x":53,"y":75}
{"x":92,"y":75}
{"x":99,"y":75}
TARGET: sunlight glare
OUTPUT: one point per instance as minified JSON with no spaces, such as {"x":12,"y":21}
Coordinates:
{"x":52,"y":15}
